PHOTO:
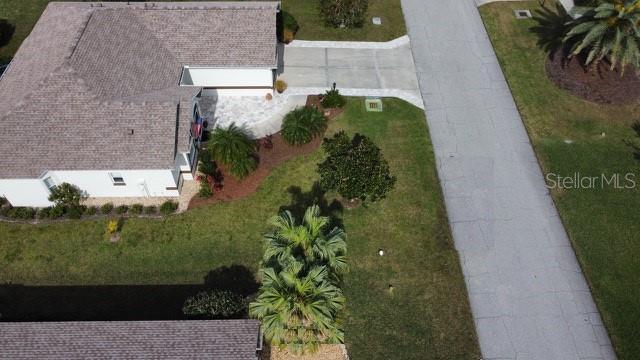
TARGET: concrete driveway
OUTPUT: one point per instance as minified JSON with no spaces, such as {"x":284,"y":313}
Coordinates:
{"x":528,"y":295}
{"x":364,"y":69}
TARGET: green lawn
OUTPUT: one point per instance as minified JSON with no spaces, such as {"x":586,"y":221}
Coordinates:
{"x":603,"y":224}
{"x":23,"y":14}
{"x":312,"y":27}
{"x":426,"y":317}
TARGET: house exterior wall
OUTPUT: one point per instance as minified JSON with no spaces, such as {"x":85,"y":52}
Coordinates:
{"x":230,"y":82}
{"x":25,"y":192}
{"x":96,"y":183}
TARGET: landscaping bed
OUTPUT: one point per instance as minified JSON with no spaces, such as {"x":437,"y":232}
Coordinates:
{"x":233,"y":188}
{"x":426,"y":316}
{"x":572,"y":136}
{"x":594,"y":84}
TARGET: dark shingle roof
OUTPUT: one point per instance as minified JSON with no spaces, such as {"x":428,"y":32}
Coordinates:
{"x":87,"y":74}
{"x":210,"y":339}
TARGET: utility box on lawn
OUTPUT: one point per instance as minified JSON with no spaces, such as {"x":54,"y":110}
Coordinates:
{"x":373,"y":104}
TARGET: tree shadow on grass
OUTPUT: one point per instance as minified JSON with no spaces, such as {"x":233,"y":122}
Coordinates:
{"x":6,"y":32}
{"x":300,"y":201}
{"x":116,"y":302}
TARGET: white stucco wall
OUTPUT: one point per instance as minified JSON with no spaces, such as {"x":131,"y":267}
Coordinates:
{"x":99,"y":183}
{"x":230,"y":82}
{"x":96,"y":183}
{"x":25,"y":192}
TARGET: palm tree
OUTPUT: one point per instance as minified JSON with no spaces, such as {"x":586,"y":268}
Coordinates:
{"x":299,"y":309}
{"x":308,"y":241}
{"x":233,"y":147}
{"x":300,"y":300}
{"x":609,"y":30}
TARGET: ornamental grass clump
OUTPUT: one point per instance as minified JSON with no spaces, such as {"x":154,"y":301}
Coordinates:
{"x":303,"y":124}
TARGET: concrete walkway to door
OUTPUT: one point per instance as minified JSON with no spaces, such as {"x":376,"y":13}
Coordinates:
{"x":528,"y":295}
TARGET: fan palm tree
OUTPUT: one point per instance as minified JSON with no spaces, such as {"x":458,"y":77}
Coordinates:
{"x":299,"y":308}
{"x":308,"y":242}
{"x":609,"y":30}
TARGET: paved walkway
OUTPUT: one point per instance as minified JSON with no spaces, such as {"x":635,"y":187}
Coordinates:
{"x":528,"y":296}
{"x":358,"y":68}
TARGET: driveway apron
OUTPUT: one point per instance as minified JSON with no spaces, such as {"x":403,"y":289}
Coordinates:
{"x":528,"y":295}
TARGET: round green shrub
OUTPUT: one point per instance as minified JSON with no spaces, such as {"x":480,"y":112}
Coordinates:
{"x":92,"y":210}
{"x":106,"y":209}
{"x":56,"y":212}
{"x":67,"y":195}
{"x":44,"y":213}
{"x":302,"y":124}
{"x":74,"y":212}
{"x":22,"y":213}
{"x":122,"y":209}
{"x":136,"y":209}
{"x":355,"y":168}
{"x":150,"y":210}
{"x":214,"y":304}
{"x":168,"y":207}
{"x":333,"y":99}
{"x":4,"y":211}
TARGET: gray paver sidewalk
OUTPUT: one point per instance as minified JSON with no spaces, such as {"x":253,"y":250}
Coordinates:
{"x":528,"y":295}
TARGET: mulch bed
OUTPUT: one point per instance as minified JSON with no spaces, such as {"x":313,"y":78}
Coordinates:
{"x":233,"y":188}
{"x":599,"y":85}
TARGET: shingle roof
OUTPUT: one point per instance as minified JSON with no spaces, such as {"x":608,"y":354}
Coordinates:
{"x":210,"y":339}
{"x":87,"y":74}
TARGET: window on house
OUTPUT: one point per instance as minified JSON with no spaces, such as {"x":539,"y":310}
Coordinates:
{"x":48,"y":181}
{"x":117,"y":179}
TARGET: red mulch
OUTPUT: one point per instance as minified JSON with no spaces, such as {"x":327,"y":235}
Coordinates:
{"x":268,"y":158}
{"x":599,"y":85}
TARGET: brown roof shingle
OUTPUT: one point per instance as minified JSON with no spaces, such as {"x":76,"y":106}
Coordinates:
{"x":208,"y":339}
{"x":88,"y":74}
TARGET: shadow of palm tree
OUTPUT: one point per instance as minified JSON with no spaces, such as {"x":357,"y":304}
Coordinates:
{"x":551,"y":29}
{"x":300,"y":201}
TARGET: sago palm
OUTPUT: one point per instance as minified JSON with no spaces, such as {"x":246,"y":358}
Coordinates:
{"x":299,"y":308}
{"x":233,"y":147}
{"x":609,"y":30}
{"x":308,"y":242}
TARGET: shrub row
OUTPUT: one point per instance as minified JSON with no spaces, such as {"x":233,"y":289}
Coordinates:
{"x":76,"y":212}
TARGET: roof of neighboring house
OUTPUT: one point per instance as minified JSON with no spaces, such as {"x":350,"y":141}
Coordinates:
{"x":206,"y":339}
{"x":90,"y":72}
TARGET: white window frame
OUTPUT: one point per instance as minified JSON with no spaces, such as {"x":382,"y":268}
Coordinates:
{"x":116,"y":175}
{"x":53,"y":182}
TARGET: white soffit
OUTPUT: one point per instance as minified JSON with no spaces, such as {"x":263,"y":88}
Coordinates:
{"x":221,"y":78}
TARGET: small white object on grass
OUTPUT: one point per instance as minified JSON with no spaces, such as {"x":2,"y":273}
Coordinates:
{"x":376,"y":20}
{"x":380,"y":252}
{"x":568,"y":141}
